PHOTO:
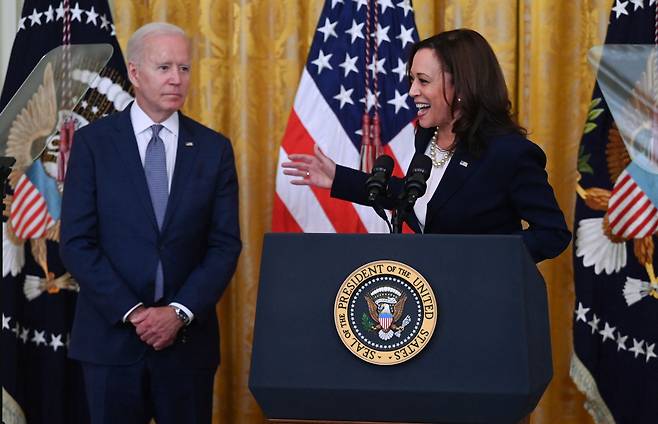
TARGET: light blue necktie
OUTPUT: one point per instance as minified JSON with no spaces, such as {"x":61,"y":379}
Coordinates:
{"x":155,"y":167}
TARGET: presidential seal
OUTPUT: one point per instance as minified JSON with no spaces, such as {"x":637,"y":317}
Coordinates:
{"x":385,"y":312}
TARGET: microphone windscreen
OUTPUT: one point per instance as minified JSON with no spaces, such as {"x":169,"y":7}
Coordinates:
{"x":385,"y":164}
{"x":420,"y":164}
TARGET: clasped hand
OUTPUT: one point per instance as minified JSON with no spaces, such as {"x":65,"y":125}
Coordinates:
{"x":156,"y":326}
{"x":316,"y":170}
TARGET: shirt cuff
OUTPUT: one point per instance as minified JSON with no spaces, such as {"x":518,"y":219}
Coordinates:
{"x":187,"y":311}
{"x":125,"y":317}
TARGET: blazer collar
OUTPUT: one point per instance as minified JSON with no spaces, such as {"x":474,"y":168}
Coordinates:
{"x":185,"y":156}
{"x":461,"y":167}
{"x":126,"y":144}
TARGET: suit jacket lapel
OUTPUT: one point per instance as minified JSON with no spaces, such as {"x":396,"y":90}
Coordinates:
{"x":185,"y":154}
{"x":127,"y":146}
{"x":461,"y":167}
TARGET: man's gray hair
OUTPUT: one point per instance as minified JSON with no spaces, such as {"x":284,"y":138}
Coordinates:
{"x":136,"y":41}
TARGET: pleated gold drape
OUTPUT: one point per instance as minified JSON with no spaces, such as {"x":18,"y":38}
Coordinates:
{"x":248,"y":56}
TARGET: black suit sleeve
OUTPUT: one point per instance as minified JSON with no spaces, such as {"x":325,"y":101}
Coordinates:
{"x":350,"y":184}
{"x":209,"y":279}
{"x":80,"y":250}
{"x":533,"y":198}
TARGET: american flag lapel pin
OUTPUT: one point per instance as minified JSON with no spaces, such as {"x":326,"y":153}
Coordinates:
{"x":463,"y":163}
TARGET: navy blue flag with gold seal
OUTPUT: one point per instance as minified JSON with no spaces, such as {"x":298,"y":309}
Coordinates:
{"x":615,"y":326}
{"x":39,"y":383}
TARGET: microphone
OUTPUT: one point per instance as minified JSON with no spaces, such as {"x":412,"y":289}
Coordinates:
{"x":381,"y":172}
{"x":417,"y":175}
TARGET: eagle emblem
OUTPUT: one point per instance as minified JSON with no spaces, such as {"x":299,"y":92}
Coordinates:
{"x":39,"y":138}
{"x":386,"y":305}
{"x":631,"y":207}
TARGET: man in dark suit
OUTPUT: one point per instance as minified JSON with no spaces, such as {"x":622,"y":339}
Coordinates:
{"x":150,"y":232}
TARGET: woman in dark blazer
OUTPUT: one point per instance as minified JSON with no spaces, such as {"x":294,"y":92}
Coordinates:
{"x":486,"y":177}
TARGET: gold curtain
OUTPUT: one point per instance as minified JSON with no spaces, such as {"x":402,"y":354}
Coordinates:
{"x":248,"y":57}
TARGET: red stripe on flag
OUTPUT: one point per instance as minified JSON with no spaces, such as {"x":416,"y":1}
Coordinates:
{"x":39,"y":214}
{"x":23,"y":192}
{"x":342,"y":214}
{"x":631,"y":219}
{"x":629,"y":206}
{"x":40,"y":228}
{"x":282,"y":220}
{"x":397,"y":169}
{"x":18,"y":218}
{"x":641,"y":227}
{"x":623,"y":191}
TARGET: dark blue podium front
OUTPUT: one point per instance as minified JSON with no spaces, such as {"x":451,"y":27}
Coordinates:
{"x":489,"y":360}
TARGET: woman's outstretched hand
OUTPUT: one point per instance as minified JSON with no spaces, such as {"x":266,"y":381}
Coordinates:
{"x":316,"y":170}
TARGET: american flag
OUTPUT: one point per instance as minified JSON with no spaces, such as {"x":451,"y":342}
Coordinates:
{"x":334,"y":94}
{"x":615,"y":358}
{"x":39,"y":383}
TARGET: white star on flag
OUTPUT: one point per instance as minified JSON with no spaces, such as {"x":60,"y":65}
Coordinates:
{"x":581,"y":313}
{"x":638,"y":4}
{"x":406,"y":6}
{"x":594,"y":323}
{"x":370,"y":99}
{"x":401,"y":69}
{"x":650,"y":353}
{"x":620,"y":8}
{"x":382,"y":34}
{"x":92,"y":15}
{"x":329,"y":29}
{"x":35,"y":18}
{"x":56,"y":341}
{"x":60,"y":12}
{"x":76,"y":13}
{"x":5,"y":322}
{"x":349,"y":65}
{"x":608,"y":332}
{"x":25,"y":332}
{"x":379,"y":67}
{"x":399,"y":101}
{"x":355,"y":31}
{"x":39,"y":337}
{"x":621,"y":342}
{"x":385,"y":4}
{"x":322,"y":61}
{"x":345,"y":96}
{"x":360,"y":3}
{"x":406,"y":36}
{"x":50,"y":14}
{"x":637,"y":347}
{"x":104,"y":22}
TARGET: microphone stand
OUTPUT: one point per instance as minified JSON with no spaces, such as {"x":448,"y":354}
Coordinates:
{"x":379,"y":209}
{"x":400,"y":214}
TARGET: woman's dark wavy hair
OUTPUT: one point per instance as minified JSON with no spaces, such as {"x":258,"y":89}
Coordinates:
{"x":479,"y":84}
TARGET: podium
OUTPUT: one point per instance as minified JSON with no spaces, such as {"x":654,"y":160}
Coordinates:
{"x":488,"y":360}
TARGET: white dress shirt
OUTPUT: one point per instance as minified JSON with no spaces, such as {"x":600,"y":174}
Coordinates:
{"x":169,"y":134}
{"x":420,"y":208}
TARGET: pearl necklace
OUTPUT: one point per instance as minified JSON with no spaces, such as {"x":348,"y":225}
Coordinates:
{"x":435,"y":149}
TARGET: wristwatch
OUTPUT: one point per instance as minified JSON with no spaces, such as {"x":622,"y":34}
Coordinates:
{"x":182,"y":316}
